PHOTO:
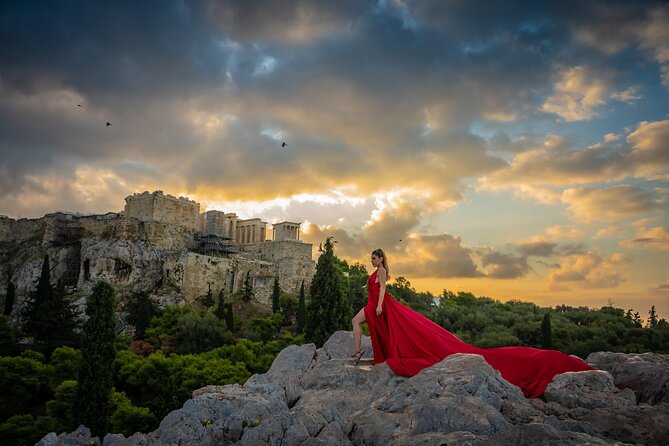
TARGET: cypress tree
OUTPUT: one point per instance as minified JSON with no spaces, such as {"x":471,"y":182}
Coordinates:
{"x":219,"y":312}
{"x":92,"y":401}
{"x":141,"y":309}
{"x":652,"y":317}
{"x":328,"y":308}
{"x":9,"y":299}
{"x":63,"y":318}
{"x":301,"y":310}
{"x":37,"y":324}
{"x":546,"y":335}
{"x":276,"y":295}
{"x":208,"y":299}
{"x":229,"y":317}
{"x":247,"y":290}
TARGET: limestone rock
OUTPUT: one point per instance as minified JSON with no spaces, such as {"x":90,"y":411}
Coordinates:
{"x":647,"y":374}
{"x":313,"y":396}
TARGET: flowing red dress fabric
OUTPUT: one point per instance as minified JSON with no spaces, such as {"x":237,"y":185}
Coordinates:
{"x":409,"y":342}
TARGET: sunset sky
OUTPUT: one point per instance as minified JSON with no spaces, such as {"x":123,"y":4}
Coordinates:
{"x":520,"y":150}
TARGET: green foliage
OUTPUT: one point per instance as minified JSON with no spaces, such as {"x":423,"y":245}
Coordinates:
{"x":21,"y":430}
{"x":265,"y":328}
{"x":301,"y":310}
{"x":163,"y":383}
{"x":165,"y":323}
{"x":22,"y":380}
{"x":207,"y":300}
{"x":51,"y":318}
{"x":61,"y":408}
{"x":128,"y":418}
{"x":7,"y":337}
{"x":289,"y":305}
{"x":276,"y":295}
{"x":329,"y":309}
{"x":546,"y":334}
{"x":65,"y":362}
{"x":247,"y":290}
{"x":9,"y":299}
{"x":220,"y":310}
{"x":141,"y":309}
{"x":93,"y":406}
{"x":487,"y":322}
{"x":197,"y":333}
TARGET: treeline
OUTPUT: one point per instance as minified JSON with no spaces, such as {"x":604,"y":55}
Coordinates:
{"x":136,"y":381}
{"x":91,"y":374}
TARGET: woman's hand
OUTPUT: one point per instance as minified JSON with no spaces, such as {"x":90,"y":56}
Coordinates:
{"x":379,"y":310}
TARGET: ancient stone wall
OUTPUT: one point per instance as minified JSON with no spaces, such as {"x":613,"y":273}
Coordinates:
{"x":194,"y":273}
{"x":21,"y":229}
{"x":156,"y":206}
{"x":292,"y":260}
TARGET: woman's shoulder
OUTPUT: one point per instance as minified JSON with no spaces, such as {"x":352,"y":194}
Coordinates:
{"x":381,"y":269}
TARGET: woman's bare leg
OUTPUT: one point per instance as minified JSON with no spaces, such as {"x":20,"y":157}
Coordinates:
{"x":357,"y":329}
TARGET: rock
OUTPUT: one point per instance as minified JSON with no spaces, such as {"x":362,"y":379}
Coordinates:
{"x":111,"y":439}
{"x":589,"y":390}
{"x":315,"y":396}
{"x":647,"y":374}
{"x":340,"y":346}
{"x":79,"y":437}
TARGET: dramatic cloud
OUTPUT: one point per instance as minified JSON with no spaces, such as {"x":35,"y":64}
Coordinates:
{"x":589,"y":270}
{"x":653,"y":238}
{"x":588,"y":204}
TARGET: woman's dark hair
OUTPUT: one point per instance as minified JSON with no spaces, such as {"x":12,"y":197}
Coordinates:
{"x":379,"y":253}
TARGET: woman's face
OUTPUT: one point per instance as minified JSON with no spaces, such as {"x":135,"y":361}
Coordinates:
{"x":376,"y":261}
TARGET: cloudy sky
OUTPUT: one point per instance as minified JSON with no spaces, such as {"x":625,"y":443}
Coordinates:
{"x":518,"y":150}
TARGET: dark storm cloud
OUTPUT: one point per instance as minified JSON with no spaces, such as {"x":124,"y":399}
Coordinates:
{"x":539,"y":249}
{"x":359,"y":87}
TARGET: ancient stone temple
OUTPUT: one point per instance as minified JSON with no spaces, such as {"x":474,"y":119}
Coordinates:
{"x":160,"y":244}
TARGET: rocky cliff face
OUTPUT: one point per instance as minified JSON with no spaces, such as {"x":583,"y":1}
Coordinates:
{"x":315,"y":396}
{"x":134,"y":255}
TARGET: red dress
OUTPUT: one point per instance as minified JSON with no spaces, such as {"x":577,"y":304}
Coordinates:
{"x":409,"y":342}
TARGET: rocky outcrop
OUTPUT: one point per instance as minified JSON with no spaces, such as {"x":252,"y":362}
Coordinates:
{"x":316,"y":396}
{"x":647,"y":374}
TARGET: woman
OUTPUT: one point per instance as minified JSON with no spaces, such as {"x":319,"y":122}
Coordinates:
{"x":408,"y":341}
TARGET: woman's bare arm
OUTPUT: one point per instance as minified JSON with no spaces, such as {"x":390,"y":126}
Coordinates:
{"x":382,"y":289}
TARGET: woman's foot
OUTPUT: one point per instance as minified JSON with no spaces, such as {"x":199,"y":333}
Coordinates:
{"x":357,"y":355}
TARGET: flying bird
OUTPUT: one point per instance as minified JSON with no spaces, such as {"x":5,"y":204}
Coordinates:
{"x":108,"y":124}
{"x":79,"y":105}
{"x":400,"y":240}
{"x":283,"y":144}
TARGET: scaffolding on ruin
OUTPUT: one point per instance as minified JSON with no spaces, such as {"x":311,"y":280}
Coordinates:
{"x":215,"y":245}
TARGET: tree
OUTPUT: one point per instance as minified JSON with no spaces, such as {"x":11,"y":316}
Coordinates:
{"x":652,"y":318}
{"x":220,"y":306}
{"x":328,"y":309}
{"x":247,"y":290}
{"x":141,"y":309}
{"x":208,"y":299}
{"x":196,"y":334}
{"x":637,"y":319}
{"x":37,"y":323}
{"x":93,"y":397}
{"x":9,"y":299}
{"x":301,"y":310}
{"x":52,"y":318}
{"x":276,"y":295}
{"x":546,"y":335}
{"x":229,"y":317}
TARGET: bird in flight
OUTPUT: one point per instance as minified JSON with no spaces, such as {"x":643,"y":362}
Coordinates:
{"x":79,"y":105}
{"x":284,"y":144}
{"x":108,"y":124}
